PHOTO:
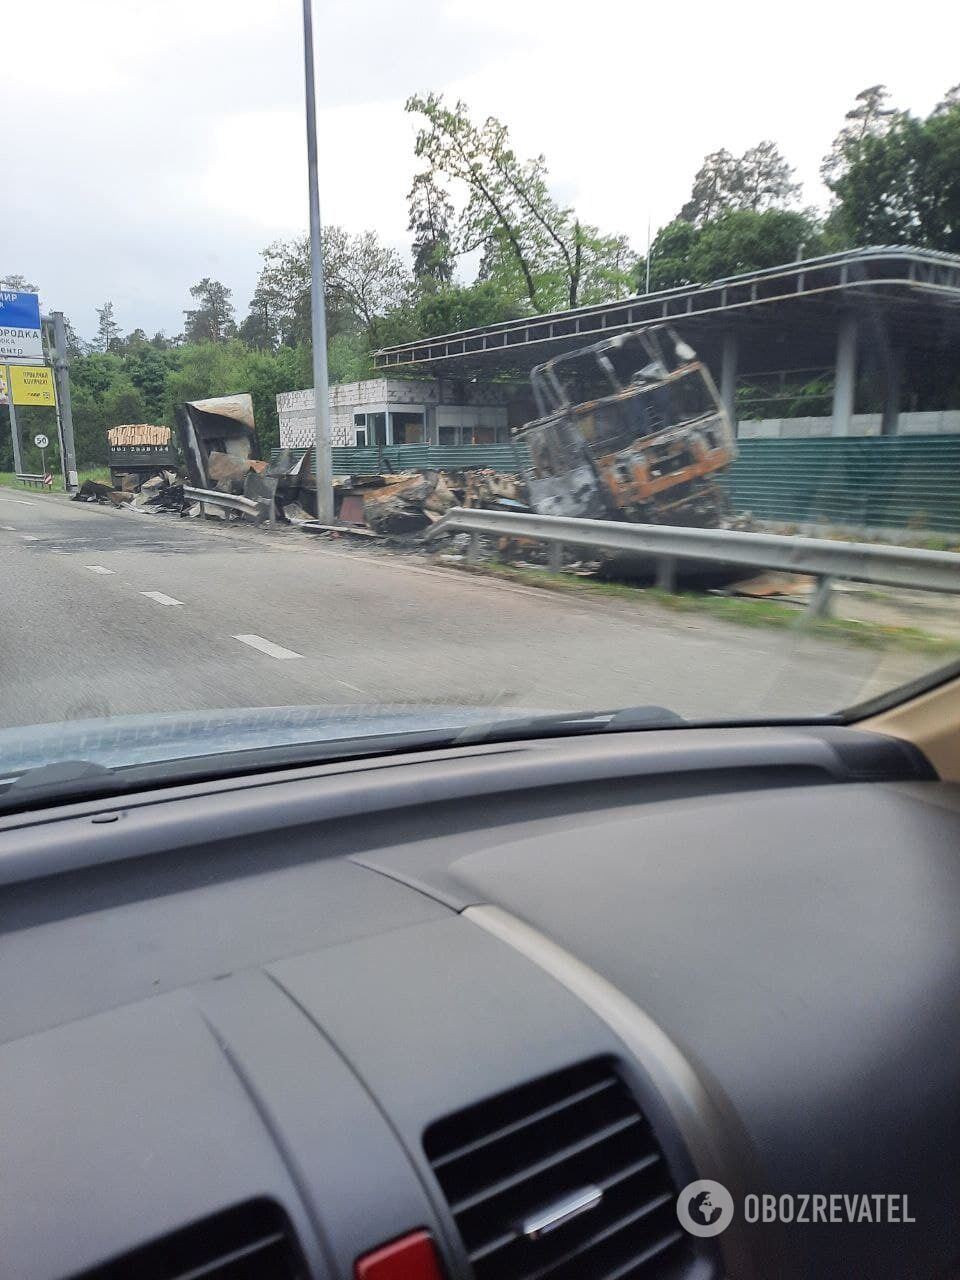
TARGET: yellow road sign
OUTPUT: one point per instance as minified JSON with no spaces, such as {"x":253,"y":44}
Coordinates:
{"x":31,"y":386}
{"x":4,"y":394}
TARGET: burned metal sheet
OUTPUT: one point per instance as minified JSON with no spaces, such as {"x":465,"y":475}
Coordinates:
{"x":221,"y":424}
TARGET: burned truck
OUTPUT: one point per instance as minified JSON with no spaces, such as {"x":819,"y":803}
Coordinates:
{"x":631,"y":428}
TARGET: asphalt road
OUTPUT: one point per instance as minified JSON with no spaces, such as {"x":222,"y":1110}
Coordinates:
{"x":107,"y":612}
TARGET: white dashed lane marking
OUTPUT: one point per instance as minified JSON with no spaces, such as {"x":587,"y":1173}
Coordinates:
{"x":98,"y":568}
{"x":268,"y":647}
{"x":29,"y":537}
{"x":9,"y":527}
{"x":159,"y":597}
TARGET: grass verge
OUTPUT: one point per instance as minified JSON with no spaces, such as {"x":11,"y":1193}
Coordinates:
{"x":8,"y":480}
{"x":751,"y":613}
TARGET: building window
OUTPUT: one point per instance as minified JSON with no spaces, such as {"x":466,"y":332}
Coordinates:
{"x":359,"y":419}
{"x":377,"y":426}
{"x":361,"y":440}
{"x":407,"y":427}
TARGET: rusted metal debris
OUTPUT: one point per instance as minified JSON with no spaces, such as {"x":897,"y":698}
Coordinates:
{"x":631,"y":428}
{"x":94,"y":491}
{"x":410,"y":502}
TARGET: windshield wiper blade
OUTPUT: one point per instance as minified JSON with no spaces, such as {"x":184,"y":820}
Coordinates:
{"x":567,"y":724}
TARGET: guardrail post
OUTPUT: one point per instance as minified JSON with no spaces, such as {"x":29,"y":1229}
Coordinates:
{"x":555,"y":556}
{"x":667,"y":573}
{"x":819,"y":606}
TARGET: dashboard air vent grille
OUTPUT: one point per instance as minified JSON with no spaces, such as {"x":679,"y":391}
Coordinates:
{"x":250,"y":1242}
{"x":561,"y":1179}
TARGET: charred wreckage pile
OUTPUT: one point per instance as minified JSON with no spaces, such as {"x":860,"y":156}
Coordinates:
{"x":629,"y":429}
{"x":222,"y":457}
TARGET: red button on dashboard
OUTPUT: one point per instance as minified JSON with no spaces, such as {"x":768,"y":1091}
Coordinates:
{"x":411,"y":1258}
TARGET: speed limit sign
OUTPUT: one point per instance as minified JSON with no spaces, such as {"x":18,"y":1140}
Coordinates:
{"x":41,"y":441}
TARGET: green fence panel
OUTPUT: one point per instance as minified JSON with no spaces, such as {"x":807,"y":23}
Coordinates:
{"x":897,"y":482}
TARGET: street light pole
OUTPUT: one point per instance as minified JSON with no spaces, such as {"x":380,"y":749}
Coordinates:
{"x":318,"y":317}
{"x":61,"y":373}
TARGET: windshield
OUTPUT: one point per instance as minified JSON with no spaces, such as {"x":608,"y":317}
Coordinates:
{"x":357,"y":381}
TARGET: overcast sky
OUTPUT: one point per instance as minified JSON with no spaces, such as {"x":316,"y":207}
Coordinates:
{"x":148,"y":143}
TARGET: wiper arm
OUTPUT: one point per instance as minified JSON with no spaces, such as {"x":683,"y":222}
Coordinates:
{"x":568,"y":724}
{"x":76,"y":777}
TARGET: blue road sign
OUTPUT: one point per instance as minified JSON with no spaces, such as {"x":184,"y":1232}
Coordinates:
{"x":20,"y":341}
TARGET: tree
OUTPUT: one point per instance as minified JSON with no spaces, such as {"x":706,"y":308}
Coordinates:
{"x":17,"y":284}
{"x":463,"y":307}
{"x":736,"y":241}
{"x":869,"y":117}
{"x":364,"y":279}
{"x":75,"y":344}
{"x":527,"y":237}
{"x":431,"y":216}
{"x":108,"y":331}
{"x":759,"y":179}
{"x":212,"y":320}
{"x":763,"y":179}
{"x":743,"y":240}
{"x":670,"y":256}
{"x":147,"y":369}
{"x":901,"y":185}
{"x":123,"y":403}
{"x":714,"y":188}
{"x":363,"y":276}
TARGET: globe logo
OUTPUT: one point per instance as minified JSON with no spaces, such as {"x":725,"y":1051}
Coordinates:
{"x":705,"y":1208}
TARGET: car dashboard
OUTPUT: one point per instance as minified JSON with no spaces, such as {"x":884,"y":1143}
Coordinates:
{"x":483,"y":1012}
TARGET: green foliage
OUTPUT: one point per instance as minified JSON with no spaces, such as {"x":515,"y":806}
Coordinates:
{"x":670,"y":256}
{"x":533,"y":246}
{"x":431,"y":217}
{"x":463,"y":307}
{"x":364,"y":280}
{"x":869,"y":117}
{"x":742,"y":240}
{"x":735,"y":241}
{"x":123,"y":403}
{"x":757,"y":180}
{"x":348,"y":359}
{"x":901,"y":185}
{"x":212,"y":320}
{"x":108,"y":331}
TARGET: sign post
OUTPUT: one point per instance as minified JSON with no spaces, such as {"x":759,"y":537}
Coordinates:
{"x":14,"y":430}
{"x":41,"y":441}
{"x":68,"y":452}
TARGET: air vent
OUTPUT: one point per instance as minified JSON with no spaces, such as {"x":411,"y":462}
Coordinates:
{"x":251,"y":1242}
{"x":561,"y":1179}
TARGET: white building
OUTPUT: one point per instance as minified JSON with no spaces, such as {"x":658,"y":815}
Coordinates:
{"x":399,"y":411}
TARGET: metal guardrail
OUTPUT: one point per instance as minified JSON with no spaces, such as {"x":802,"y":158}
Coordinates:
{"x":880,"y":564}
{"x":40,"y":479}
{"x":229,"y":502}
